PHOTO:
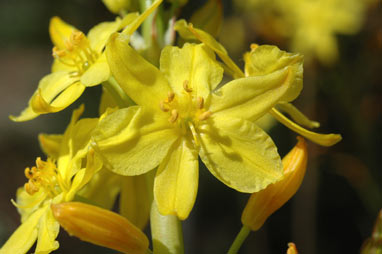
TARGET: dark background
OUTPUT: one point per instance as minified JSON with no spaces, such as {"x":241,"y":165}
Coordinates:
{"x":335,"y":208}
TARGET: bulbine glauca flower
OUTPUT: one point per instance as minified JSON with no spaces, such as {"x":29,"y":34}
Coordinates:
{"x":101,"y":227}
{"x":265,"y":202}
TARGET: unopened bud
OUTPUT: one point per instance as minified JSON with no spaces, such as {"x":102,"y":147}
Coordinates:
{"x":292,"y":249}
{"x":265,"y":202}
{"x":117,"y":6}
{"x":101,"y":227}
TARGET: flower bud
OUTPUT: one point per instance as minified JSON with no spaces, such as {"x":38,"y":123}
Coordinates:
{"x":292,"y":249}
{"x":265,"y":202}
{"x":101,"y":227}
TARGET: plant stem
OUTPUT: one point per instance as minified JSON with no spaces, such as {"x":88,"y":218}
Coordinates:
{"x":119,"y":96}
{"x":166,"y":233}
{"x":244,"y":232}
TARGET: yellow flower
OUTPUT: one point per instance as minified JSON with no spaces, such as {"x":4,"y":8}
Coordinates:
{"x":79,"y":63}
{"x":101,"y":227}
{"x":264,"y":60}
{"x":181,"y":113}
{"x":51,"y":182}
{"x":265,"y":202}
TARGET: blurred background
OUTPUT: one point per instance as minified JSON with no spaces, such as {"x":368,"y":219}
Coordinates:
{"x":336,"y":206}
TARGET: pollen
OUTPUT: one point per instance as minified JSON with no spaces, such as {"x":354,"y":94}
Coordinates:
{"x":186,"y":86}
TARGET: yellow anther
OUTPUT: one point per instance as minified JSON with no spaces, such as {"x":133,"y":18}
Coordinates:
{"x":200,"y":102}
{"x":174,"y":116}
{"x":28,"y":173}
{"x":170,"y":96}
{"x":77,"y":37}
{"x":254,"y":46}
{"x":69,"y":45}
{"x":205,"y":115}
{"x":30,"y":188}
{"x":186,"y":87}
{"x":56,"y":53}
{"x":163,"y":107}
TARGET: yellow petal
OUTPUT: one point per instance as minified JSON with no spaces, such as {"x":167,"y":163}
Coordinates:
{"x":120,"y":6}
{"x":194,"y":63}
{"x":107,"y":101}
{"x":24,"y":236}
{"x":47,"y":233}
{"x":27,"y":204}
{"x":60,"y":31}
{"x":50,"y":144}
{"x":102,"y":189}
{"x":251,"y":97}
{"x":187,"y":31}
{"x":101,"y":227}
{"x":97,"y":72}
{"x":25,"y":115}
{"x":321,"y":139}
{"x":266,"y":59}
{"x":240,"y":154}
{"x":265,"y":202}
{"x":140,"y":80}
{"x":297,"y":115}
{"x":100,"y":33}
{"x":59,"y":66}
{"x":133,"y":141}
{"x":209,"y":17}
{"x":136,"y":198}
{"x":176,"y":181}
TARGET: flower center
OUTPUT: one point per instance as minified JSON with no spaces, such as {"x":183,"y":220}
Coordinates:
{"x":186,"y":111}
{"x":44,"y":175}
{"x":77,"y":53}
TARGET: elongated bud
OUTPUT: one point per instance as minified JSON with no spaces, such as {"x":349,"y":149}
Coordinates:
{"x":101,"y":227}
{"x":373,"y":245}
{"x":265,"y":202}
{"x":292,"y":249}
{"x":117,"y":6}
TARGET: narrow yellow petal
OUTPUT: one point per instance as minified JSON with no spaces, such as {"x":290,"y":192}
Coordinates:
{"x":132,"y":140}
{"x":136,"y":198}
{"x":187,"y":31}
{"x":97,"y":72}
{"x":240,"y":154}
{"x":101,"y":227}
{"x":193,"y":63}
{"x":176,"y":181}
{"x":133,"y":26}
{"x":321,"y":139}
{"x":25,"y":115}
{"x":25,"y":235}
{"x":297,"y":115}
{"x":265,"y":202}
{"x":140,"y":80}
{"x":60,"y":31}
{"x":47,"y":233}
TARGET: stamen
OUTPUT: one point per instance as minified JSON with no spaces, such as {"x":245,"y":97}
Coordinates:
{"x":170,"y":96}
{"x":57,"y":53}
{"x":205,"y":115}
{"x":200,"y":102}
{"x":163,"y":107}
{"x":186,"y":87}
{"x":174,"y":116}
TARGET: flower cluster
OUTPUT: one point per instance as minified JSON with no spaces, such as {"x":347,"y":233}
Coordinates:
{"x":163,"y":107}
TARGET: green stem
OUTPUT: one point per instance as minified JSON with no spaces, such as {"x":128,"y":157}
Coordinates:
{"x":166,"y":233}
{"x":244,"y":232}
{"x":119,"y":96}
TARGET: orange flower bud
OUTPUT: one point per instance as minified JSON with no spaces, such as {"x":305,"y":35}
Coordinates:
{"x":265,"y":202}
{"x":101,"y":227}
{"x":292,"y":249}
